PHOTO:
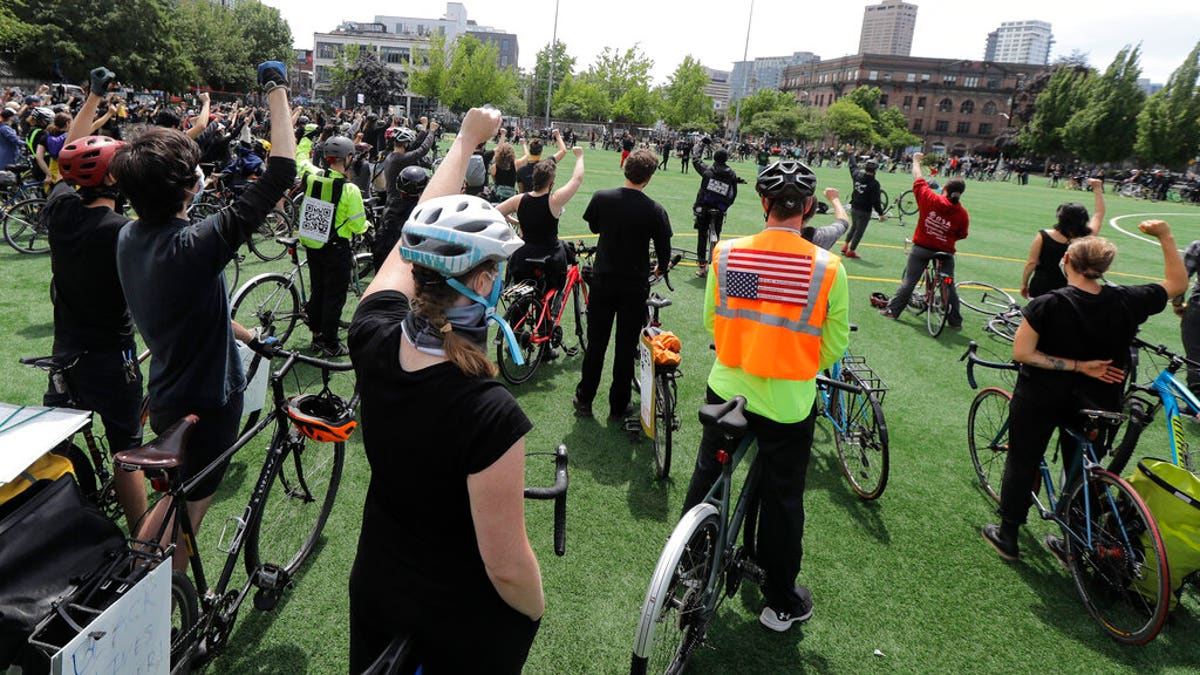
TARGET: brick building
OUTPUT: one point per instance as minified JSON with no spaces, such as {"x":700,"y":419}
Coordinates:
{"x":954,"y":105}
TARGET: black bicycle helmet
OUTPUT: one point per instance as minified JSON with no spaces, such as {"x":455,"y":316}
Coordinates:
{"x":411,"y":180}
{"x":788,"y":180}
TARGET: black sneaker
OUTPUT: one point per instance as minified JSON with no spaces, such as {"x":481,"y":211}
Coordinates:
{"x":1058,"y":548}
{"x":1007,"y":549}
{"x":780,"y":621}
{"x":622,"y":414}
{"x":581,"y":409}
{"x":334,"y":350}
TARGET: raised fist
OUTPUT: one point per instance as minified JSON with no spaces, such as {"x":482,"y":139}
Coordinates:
{"x":271,"y":74}
{"x":101,"y":79}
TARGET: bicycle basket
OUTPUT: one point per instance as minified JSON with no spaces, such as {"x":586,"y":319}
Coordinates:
{"x":324,"y":417}
{"x":1172,"y":494}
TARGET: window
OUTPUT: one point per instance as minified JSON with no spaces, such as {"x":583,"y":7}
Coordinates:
{"x":921,"y":103}
{"x":327,"y":50}
{"x":989,"y":108}
{"x":963,"y":128}
{"x":322,"y":74}
{"x":967,"y":107}
{"x":924,"y":77}
{"x":395,"y":54}
{"x":912,"y":77}
{"x":917,"y":124}
{"x":887,"y":77}
{"x":950,"y":79}
{"x":985,"y":129}
{"x":504,"y":60}
{"x":971,"y":82}
{"x":873,"y":75}
{"x":941,"y":126}
{"x":993,"y":83}
{"x":945,"y":105}
{"x":883,"y":101}
{"x":907,"y":102}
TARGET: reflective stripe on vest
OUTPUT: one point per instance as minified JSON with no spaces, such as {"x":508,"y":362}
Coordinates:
{"x":758,"y":328}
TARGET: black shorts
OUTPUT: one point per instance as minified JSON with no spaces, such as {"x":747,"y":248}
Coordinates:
{"x":214,"y":434}
{"x":99,"y":384}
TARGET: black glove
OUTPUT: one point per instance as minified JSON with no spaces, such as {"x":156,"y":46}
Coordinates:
{"x":102,"y":78}
{"x":264,"y":347}
{"x":271,"y":74}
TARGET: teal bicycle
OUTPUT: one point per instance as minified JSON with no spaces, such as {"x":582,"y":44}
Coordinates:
{"x":1173,"y":398}
{"x":850,"y":396}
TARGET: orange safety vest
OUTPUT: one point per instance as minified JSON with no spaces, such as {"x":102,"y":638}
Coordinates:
{"x":772,"y":295}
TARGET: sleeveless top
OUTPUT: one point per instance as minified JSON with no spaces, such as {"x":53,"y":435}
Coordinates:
{"x":538,"y":226}
{"x":506,"y":176}
{"x":1046,"y":276}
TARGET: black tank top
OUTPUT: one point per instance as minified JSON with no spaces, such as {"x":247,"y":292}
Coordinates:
{"x":1047,"y":276}
{"x":506,"y":177}
{"x":538,"y":225}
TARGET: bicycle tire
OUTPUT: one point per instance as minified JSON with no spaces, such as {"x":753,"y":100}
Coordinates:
{"x":574,"y":336}
{"x":207,"y":206}
{"x":664,"y":423}
{"x":939,"y":304}
{"x":983,"y":297}
{"x":861,"y":437}
{"x":883,"y":199}
{"x":987,"y":437}
{"x":362,"y":272}
{"x":522,"y":317}
{"x":232,"y":276}
{"x":907,"y":203}
{"x":303,"y":480}
{"x":268,"y":302}
{"x":1122,"y":576}
{"x":262,"y":240}
{"x":185,"y":612}
{"x":1003,"y":326}
{"x":673,"y":618}
{"x":23,"y":227}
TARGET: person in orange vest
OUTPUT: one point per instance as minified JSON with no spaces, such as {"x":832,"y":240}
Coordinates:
{"x":778,"y":309}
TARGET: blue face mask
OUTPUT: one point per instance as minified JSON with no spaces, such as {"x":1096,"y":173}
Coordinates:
{"x":489,"y":305}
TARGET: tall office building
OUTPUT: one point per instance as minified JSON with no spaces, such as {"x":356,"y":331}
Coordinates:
{"x":887,"y":28}
{"x":749,"y":77}
{"x":1020,"y":42}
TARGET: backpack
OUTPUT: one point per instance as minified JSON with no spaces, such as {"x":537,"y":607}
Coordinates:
{"x":54,"y":144}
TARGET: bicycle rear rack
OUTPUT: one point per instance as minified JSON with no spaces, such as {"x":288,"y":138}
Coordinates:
{"x":858,"y":365}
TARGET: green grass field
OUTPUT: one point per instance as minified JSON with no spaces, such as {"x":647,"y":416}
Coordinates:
{"x":907,"y":575}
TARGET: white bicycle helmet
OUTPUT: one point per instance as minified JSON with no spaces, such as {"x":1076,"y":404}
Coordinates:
{"x":404,"y":135}
{"x":455,"y":233}
{"x":42,"y":114}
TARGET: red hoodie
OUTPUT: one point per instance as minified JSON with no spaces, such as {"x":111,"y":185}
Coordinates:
{"x":941,"y":222}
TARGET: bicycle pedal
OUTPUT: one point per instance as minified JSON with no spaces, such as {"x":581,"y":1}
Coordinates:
{"x":265,"y":601}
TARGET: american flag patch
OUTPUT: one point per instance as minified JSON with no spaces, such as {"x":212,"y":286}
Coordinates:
{"x":764,"y":275}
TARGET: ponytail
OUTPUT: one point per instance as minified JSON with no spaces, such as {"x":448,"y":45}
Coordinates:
{"x":433,"y":297}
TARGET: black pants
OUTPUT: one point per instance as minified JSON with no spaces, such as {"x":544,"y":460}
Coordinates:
{"x":329,"y":275}
{"x":705,"y":220}
{"x":98,"y":382}
{"x":386,"y":238}
{"x":859,"y":220}
{"x":624,"y":301}
{"x":783,"y":454}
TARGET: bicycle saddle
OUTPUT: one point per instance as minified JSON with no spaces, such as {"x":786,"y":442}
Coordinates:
{"x":657,"y":301}
{"x":1101,"y":419}
{"x":162,"y":453}
{"x":727,"y":416}
{"x":943,"y":255}
{"x":289,"y":242}
{"x":53,"y":362}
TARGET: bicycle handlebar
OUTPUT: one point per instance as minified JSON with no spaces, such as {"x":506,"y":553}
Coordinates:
{"x":557,"y":492}
{"x":1161,"y":350}
{"x":973,"y":360}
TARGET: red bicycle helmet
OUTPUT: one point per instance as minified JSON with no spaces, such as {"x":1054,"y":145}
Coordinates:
{"x":324,"y":417}
{"x":85,"y":162}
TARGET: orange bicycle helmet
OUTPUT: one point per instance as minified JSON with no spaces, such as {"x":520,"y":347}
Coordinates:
{"x":324,"y":417}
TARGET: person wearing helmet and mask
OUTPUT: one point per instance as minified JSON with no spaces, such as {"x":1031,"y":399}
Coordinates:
{"x":332,"y":212}
{"x":409,"y":185}
{"x":408,"y":149}
{"x":941,"y":221}
{"x":778,"y":309}
{"x":40,"y":120}
{"x":864,"y":198}
{"x":91,"y":319}
{"x":461,"y":572}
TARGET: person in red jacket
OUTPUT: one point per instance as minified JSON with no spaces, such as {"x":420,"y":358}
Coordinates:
{"x":942,"y":222}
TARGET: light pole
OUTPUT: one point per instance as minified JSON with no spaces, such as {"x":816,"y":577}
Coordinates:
{"x":553,"y":51}
{"x":737,"y":116}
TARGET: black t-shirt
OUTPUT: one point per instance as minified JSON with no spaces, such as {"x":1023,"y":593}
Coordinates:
{"x":424,"y":433}
{"x":538,"y":224}
{"x":1074,"y":324}
{"x":506,"y":176}
{"x":525,"y":175}
{"x":627,"y":221}
{"x":37,"y":137}
{"x":627,"y":145}
{"x":90,"y":313}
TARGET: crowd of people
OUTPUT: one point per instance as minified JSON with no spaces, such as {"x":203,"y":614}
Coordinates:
{"x":776,"y":304}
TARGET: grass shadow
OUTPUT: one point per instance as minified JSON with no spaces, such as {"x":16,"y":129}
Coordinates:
{"x":731,"y":631}
{"x":828,"y":477}
{"x":611,"y":458}
{"x":37,"y":331}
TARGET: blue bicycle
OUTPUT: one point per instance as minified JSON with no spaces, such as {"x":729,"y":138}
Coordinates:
{"x":855,"y":411}
{"x":1173,"y":397}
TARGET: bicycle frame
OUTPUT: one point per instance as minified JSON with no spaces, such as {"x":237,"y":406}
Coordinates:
{"x":540,"y":334}
{"x":1170,"y":391}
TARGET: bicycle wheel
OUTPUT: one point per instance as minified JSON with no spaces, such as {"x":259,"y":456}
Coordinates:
{"x":268,"y":302}
{"x":262,"y":240}
{"x":23,"y":227}
{"x":207,"y":206}
{"x":362,"y":273}
{"x":861,"y":437}
{"x":918,"y":302}
{"x":673,"y":617}
{"x":664,"y":422}
{"x":987,"y":437}
{"x":1116,"y":556}
{"x":232,"y":272}
{"x":939,"y":304}
{"x":907,"y":203}
{"x":302,"y":482}
{"x":1004,"y":326}
{"x":574,"y":322}
{"x":983,"y":297}
{"x":522,"y":317}
{"x":185,"y":612}
{"x":883,"y":199}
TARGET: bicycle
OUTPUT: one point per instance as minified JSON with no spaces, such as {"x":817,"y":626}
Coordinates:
{"x":850,"y":397}
{"x":931,"y":295}
{"x":906,"y":203}
{"x":1172,"y":397}
{"x":24,"y":229}
{"x":659,"y":391}
{"x":1003,"y":311}
{"x":278,"y":529}
{"x":535,"y":314}
{"x":715,"y":219}
{"x":1114,"y":550}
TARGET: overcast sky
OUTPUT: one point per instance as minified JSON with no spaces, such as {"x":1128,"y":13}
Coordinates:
{"x":670,"y":29}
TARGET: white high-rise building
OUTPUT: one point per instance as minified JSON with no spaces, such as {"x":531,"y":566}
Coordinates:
{"x":887,"y":28}
{"x":1020,"y":42}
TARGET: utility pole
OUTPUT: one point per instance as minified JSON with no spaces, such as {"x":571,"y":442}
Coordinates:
{"x":737,"y":116}
{"x":553,"y":52}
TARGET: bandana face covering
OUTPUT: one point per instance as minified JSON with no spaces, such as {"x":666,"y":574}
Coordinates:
{"x":470,"y":321}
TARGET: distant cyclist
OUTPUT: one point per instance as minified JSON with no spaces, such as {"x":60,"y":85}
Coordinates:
{"x":866,"y":197}
{"x":718,"y":190}
{"x":409,"y":185}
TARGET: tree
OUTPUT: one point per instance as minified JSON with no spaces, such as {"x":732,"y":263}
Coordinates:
{"x":1105,"y":128}
{"x":684,"y":103}
{"x":428,"y":74}
{"x":762,"y":101}
{"x":564,"y":66}
{"x":13,"y":31}
{"x":474,"y":78}
{"x":1065,"y":93}
{"x":580,"y":100}
{"x":850,"y":123}
{"x":867,"y":98}
{"x":1076,"y":59}
{"x":798,"y":122}
{"x":638,"y":104}
{"x":892,"y":128}
{"x":358,"y":70}
{"x":615,"y":72}
{"x":266,"y":35}
{"x":1169,"y":126}
{"x":212,"y":42}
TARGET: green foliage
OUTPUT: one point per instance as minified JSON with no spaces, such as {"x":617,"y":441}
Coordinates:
{"x":358,"y":70}
{"x":13,"y":31}
{"x":1169,"y":126}
{"x":892,"y":127}
{"x":211,"y":40}
{"x":564,"y":66}
{"x":265,"y":34}
{"x":850,"y":123}
{"x":798,"y":122}
{"x":580,"y":100}
{"x":638,"y":104}
{"x":867,"y":98}
{"x":1105,"y":128}
{"x":624,"y":79}
{"x":429,"y":71}
{"x":762,"y":101}
{"x":474,"y":78}
{"x":684,"y":103}
{"x":1065,"y":94}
